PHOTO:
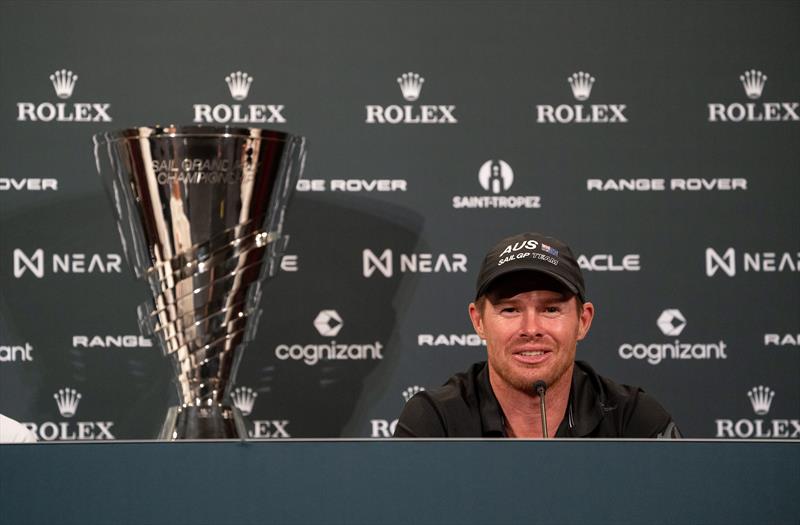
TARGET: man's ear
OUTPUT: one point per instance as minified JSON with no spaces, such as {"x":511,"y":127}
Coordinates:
{"x":585,"y":320}
{"x":477,"y":320}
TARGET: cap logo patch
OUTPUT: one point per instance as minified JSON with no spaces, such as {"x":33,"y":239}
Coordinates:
{"x":508,"y":254}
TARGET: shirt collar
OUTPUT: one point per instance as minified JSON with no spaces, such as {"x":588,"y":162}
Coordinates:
{"x":584,"y":411}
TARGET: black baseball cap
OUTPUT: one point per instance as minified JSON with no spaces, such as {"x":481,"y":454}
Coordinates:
{"x":532,"y":252}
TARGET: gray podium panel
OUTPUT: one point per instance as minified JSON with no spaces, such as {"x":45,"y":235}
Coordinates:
{"x":399,"y":481}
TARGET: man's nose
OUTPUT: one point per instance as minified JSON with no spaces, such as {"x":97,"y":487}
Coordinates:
{"x":530,"y":324}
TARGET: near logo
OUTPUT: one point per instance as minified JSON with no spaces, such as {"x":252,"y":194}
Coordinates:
{"x":66,"y":263}
{"x":412,"y":263}
{"x":767,"y":262}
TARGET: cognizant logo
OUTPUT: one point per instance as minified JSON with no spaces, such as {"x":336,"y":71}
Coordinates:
{"x":672,"y":323}
{"x":329,"y":323}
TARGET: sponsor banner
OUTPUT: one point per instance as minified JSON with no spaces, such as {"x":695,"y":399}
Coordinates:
{"x":496,"y":178}
{"x":384,"y":428}
{"x":16,"y":353}
{"x":449,"y":340}
{"x":782,"y":340}
{"x":674,"y":184}
{"x":244,"y":398}
{"x":64,"y":82}
{"x":753,"y":83}
{"x":353,"y":185}
{"x":239,"y":84}
{"x":64,"y":263}
{"x":581,"y":84}
{"x":672,"y":322}
{"x":605,"y":262}
{"x":761,"y":398}
{"x":111,"y":341}
{"x":12,"y":184}
{"x":67,"y":400}
{"x":411,"y":86}
{"x":329,"y":323}
{"x":727,"y":262}
{"x":387,"y":263}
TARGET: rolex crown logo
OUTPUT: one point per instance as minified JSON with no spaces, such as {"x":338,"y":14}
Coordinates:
{"x":410,"y":85}
{"x":409,"y":392}
{"x":239,"y":84}
{"x":761,"y":399}
{"x":581,"y":84}
{"x":244,"y":398}
{"x":64,"y":82}
{"x":67,"y":400}
{"x":753,"y":82}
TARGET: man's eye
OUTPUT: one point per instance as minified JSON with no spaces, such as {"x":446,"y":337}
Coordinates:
{"x":552,"y":309}
{"x":508,"y":309}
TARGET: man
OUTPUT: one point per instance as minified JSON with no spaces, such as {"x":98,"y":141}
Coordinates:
{"x":531,"y":309}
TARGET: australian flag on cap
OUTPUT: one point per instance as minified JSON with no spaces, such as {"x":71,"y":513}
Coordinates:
{"x":549,"y":249}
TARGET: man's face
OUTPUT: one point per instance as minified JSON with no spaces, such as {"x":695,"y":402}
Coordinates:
{"x":531,"y":326}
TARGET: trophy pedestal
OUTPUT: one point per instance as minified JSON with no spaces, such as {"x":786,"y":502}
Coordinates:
{"x":207,"y":422}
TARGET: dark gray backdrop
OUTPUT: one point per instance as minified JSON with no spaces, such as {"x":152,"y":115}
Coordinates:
{"x":325,"y":62}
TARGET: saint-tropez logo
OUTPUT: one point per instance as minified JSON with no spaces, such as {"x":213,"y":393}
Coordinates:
{"x":410,"y":88}
{"x":328,"y":323}
{"x":63,"y":82}
{"x":725,"y":263}
{"x":760,"y":398}
{"x":496,"y":176}
{"x":753,"y":83}
{"x":239,"y":83}
{"x":672,"y":323}
{"x":580,"y":84}
{"x":67,"y":400}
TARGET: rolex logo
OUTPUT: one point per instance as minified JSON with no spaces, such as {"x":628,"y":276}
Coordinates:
{"x":581,"y":84}
{"x":64,"y":82}
{"x":753,"y":82}
{"x":411,"y":391}
{"x":67,"y":400}
{"x":410,"y":85}
{"x":761,"y":399}
{"x":244,"y":398}
{"x":239,"y":84}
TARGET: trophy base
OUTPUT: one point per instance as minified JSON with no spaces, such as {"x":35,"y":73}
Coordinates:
{"x":203,"y":422}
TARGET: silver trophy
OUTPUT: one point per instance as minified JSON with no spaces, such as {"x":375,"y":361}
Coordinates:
{"x":200,"y":212}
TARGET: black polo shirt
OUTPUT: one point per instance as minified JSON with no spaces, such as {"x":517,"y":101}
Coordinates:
{"x":597,"y":408}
